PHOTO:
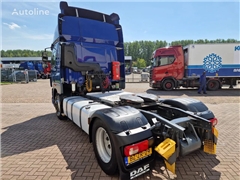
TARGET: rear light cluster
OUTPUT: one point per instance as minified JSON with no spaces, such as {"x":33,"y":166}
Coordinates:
{"x":214,"y":121}
{"x":138,"y":147}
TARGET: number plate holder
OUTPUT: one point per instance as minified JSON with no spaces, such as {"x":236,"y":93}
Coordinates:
{"x":137,"y":157}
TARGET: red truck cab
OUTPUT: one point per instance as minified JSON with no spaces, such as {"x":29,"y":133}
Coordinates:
{"x":167,"y":67}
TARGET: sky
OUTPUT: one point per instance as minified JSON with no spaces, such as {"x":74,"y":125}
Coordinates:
{"x":31,"y":24}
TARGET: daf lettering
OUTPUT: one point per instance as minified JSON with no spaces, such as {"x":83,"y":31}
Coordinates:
{"x":139,"y":171}
{"x":236,"y":70}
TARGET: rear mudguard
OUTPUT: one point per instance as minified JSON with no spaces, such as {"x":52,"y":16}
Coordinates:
{"x":190,"y":105}
{"x":132,"y":171}
{"x":128,"y":126}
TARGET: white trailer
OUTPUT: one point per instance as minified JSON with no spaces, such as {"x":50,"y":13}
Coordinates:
{"x":222,"y":60}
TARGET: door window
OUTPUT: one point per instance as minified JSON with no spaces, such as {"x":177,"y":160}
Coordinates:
{"x":163,"y":60}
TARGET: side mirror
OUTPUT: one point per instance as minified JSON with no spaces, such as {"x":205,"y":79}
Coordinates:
{"x":52,"y":46}
{"x":44,"y":57}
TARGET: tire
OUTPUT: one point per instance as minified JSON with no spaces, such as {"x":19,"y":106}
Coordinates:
{"x":58,"y":100}
{"x":168,"y":85}
{"x":104,"y":148}
{"x":213,"y":85}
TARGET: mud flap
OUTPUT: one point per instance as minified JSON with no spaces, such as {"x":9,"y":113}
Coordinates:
{"x":210,"y":144}
{"x":168,"y":151}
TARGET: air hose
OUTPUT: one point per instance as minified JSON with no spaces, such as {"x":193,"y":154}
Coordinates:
{"x":88,"y":83}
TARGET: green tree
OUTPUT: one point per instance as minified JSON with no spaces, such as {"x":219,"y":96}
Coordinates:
{"x":136,"y":49}
{"x":22,"y":53}
{"x":141,"y":63}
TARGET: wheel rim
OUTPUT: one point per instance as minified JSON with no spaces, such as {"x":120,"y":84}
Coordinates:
{"x":103,"y":144}
{"x":169,"y":85}
{"x":212,"y":84}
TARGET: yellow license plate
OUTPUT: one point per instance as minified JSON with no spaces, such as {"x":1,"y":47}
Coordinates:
{"x":139,"y":156}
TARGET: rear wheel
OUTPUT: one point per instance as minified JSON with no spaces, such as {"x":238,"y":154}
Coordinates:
{"x":168,"y":85}
{"x":104,"y":148}
{"x":58,"y":100}
{"x":213,"y":85}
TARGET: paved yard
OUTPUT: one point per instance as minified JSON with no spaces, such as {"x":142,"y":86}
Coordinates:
{"x":36,"y":145}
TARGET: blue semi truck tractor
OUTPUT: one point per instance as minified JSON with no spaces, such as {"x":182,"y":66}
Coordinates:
{"x":128,"y":130}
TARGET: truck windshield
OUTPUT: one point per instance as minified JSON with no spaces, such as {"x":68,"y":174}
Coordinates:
{"x":163,"y":60}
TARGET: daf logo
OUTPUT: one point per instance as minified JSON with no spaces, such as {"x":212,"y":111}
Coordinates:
{"x":237,"y":48}
{"x":139,"y":171}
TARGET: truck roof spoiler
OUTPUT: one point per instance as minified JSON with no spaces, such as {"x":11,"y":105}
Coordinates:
{"x":84,"y":13}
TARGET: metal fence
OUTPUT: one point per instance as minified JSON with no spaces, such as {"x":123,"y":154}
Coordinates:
{"x":13,"y":75}
{"x":134,"y":77}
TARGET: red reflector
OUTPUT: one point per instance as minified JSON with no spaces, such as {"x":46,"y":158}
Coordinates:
{"x":136,"y":148}
{"x":214,"y":121}
{"x":115,"y":70}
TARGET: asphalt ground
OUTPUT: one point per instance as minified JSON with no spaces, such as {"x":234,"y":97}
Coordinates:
{"x":36,"y":145}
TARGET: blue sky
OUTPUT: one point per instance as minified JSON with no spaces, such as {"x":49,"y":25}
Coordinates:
{"x":31,"y":24}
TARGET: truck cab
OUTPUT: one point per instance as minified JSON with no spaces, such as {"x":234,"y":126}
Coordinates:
{"x":87,"y":52}
{"x":167,"y":67}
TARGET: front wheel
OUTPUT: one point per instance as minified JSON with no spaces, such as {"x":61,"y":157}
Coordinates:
{"x":168,"y":85}
{"x":104,"y":148}
{"x":58,"y":100}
